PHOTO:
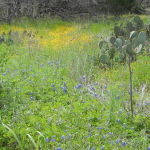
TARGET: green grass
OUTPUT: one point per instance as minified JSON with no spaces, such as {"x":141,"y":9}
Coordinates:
{"x":46,"y":95}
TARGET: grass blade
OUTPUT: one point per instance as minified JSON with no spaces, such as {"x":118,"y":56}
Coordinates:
{"x":13,"y":135}
{"x":41,"y":135}
{"x":31,"y":140}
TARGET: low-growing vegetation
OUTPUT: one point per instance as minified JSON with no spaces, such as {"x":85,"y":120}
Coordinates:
{"x":66,"y":85}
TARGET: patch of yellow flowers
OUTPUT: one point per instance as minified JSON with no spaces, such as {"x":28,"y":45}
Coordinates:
{"x":62,"y":36}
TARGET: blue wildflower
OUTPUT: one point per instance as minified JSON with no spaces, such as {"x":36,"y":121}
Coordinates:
{"x":61,"y":87}
{"x":47,"y":139}
{"x":92,"y":148}
{"x":63,"y":137}
{"x":124,"y":124}
{"x":53,"y":88}
{"x":118,"y":120}
{"x":112,"y":142}
{"x":53,"y":85}
{"x":53,"y":140}
{"x":120,"y":111}
{"x":123,"y":143}
{"x":95,"y":94}
{"x":128,"y":113}
{"x":105,"y":86}
{"x":79,"y":86}
{"x":103,"y":137}
{"x":83,"y":77}
{"x":99,"y":128}
{"x":102,"y":147}
{"x":132,"y":128}
{"x":149,"y":148}
{"x":117,"y":141}
{"x":58,"y":148}
{"x":65,"y":89}
{"x":5,"y":74}
{"x":31,"y":93}
{"x":118,"y":97}
{"x":89,"y":133}
{"x":31,"y":98}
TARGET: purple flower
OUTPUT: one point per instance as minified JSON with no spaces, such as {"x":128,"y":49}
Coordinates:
{"x":149,"y":148}
{"x":120,"y":111}
{"x":95,"y":94}
{"x":79,"y":86}
{"x":31,"y":98}
{"x":61,"y":87}
{"x":64,"y":83}
{"x":105,"y":86}
{"x":103,"y":137}
{"x":96,"y":83}
{"x":132,"y":128}
{"x":118,"y":97}
{"x":129,"y":92}
{"x":31,"y":93}
{"x":58,"y":148}
{"x":63,"y":137}
{"x":92,"y":88}
{"x":89,"y":133}
{"x":128,"y":113}
{"x":65,"y":89}
{"x":25,"y":77}
{"x":69,"y":135}
{"x":118,"y":120}
{"x":53,"y":88}
{"x":110,"y":133}
{"x":123,"y":143}
{"x":99,"y":128}
{"x":102,"y":147}
{"x":47,"y":139}
{"x":83,"y":77}
{"x":112,"y":142}
{"x":92,"y":148}
{"x":124,"y":124}
{"x":53,"y":140}
{"x":5,"y":74}
{"x":117,"y":141}
{"x":53,"y":85}
{"x":120,"y":85}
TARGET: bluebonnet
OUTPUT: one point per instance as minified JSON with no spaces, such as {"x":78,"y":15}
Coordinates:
{"x":124,"y":124}
{"x":128,"y":113}
{"x":83,"y":102}
{"x":83,"y":77}
{"x":102,"y":147}
{"x":123,"y":143}
{"x":118,"y":120}
{"x":58,"y":148}
{"x":65,"y":84}
{"x":96,"y":83}
{"x":53,"y":88}
{"x":149,"y":148}
{"x":25,"y":77}
{"x":31,"y":98}
{"x":92,"y":148}
{"x":92,"y":88}
{"x":105,"y":86}
{"x":79,"y":86}
{"x":81,"y":91}
{"x":65,"y":89}
{"x":103,"y":137}
{"x":31,"y":93}
{"x":53,"y":85}
{"x":132,"y":128}
{"x":63,"y":137}
{"x":138,"y":104}
{"x":120,"y":111}
{"x":129,"y":92}
{"x":53,"y":140}
{"x":120,"y":85}
{"x":64,"y":130}
{"x":5,"y":74}
{"x":61,"y":87}
{"x":47,"y":139}
{"x":95,"y":94}
{"x":118,"y":97}
{"x":89,"y":133}
{"x":99,"y":128}
{"x":110,"y":133}
{"x":112,"y":142}
{"x":69,"y":135}
{"x":117,"y":141}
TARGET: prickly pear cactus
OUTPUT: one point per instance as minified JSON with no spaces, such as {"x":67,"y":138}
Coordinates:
{"x":103,"y":59}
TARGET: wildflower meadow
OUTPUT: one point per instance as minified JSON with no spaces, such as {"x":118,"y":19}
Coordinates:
{"x":56,"y":95}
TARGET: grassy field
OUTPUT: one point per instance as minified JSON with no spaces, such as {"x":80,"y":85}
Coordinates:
{"x":52,"y":97}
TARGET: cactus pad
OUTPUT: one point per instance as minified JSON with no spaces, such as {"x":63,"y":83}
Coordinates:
{"x":135,"y":42}
{"x":111,"y":52}
{"x":129,"y":49}
{"x":142,"y":37}
{"x":133,"y":34}
{"x":118,"y":43}
{"x":127,"y":42}
{"x":138,"y":49}
{"x":103,"y":45}
{"x":122,"y":39}
{"x":117,"y":30}
{"x":129,"y":25}
{"x":136,"y":19}
{"x":113,"y":39}
{"x":103,"y":59}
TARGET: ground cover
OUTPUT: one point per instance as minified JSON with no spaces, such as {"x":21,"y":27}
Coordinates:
{"x":53,"y":97}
